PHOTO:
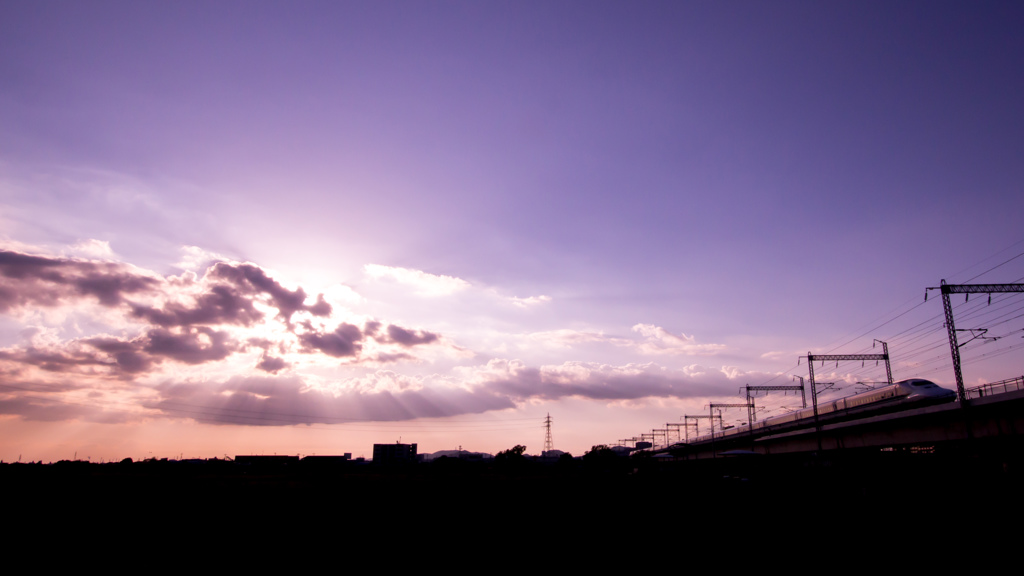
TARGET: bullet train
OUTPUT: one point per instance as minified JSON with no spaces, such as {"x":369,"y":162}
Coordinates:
{"x":899,"y":396}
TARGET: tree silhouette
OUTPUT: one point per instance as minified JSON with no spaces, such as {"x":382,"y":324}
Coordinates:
{"x":603,"y":459}
{"x":514,"y":454}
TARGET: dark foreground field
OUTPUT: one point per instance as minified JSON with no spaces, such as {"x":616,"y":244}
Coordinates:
{"x":592,"y":493}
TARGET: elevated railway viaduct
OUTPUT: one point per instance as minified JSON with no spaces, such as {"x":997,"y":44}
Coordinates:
{"x":991,"y":422}
{"x":917,"y":459}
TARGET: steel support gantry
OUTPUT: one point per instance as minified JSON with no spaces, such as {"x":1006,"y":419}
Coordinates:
{"x":686,"y":423}
{"x":954,"y":348}
{"x":811,"y":358}
{"x":750,"y":399}
{"x":839,"y":357}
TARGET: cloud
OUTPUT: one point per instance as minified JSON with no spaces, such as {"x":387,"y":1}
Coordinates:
{"x":657,"y":340}
{"x":183,"y":319}
{"x":732,"y":372}
{"x":386,"y":395}
{"x":590,"y":380}
{"x":234,"y":345}
{"x":348,"y":340}
{"x":56,"y":409}
{"x":227,"y":294}
{"x":250,"y":279}
{"x":127,"y":356}
{"x":408,"y":338}
{"x":222,"y":304}
{"x":389,"y":357}
{"x":344,"y":341}
{"x":93,"y":248}
{"x":425,"y":284}
{"x":189,"y":345}
{"x":530,"y":301}
{"x":28,"y":280}
{"x":565,"y":338}
{"x":72,"y":358}
{"x":195,"y":258}
{"x":63,"y":399}
{"x":290,"y":400}
{"x":270,"y":364}
{"x":108,"y":356}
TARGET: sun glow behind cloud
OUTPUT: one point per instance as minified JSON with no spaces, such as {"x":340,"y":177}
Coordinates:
{"x":233,"y":345}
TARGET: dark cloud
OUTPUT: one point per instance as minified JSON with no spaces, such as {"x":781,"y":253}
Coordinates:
{"x":27,"y":280}
{"x":371,"y":328}
{"x":55,"y":360}
{"x":15,"y":386}
{"x":251,"y":279}
{"x":23,"y":266}
{"x":383,"y":396}
{"x":55,"y":409}
{"x":126,"y":359}
{"x":43,"y":409}
{"x":185,"y":328}
{"x":285,"y":401}
{"x":270,"y":364}
{"x":321,"y":308}
{"x":109,"y":286}
{"x":181,"y":330}
{"x":221,"y":305}
{"x":259,"y":343}
{"x":397,"y":335}
{"x":600,"y":382}
{"x":343,"y":342}
{"x":41,"y":281}
{"x":229,"y":300}
{"x":127,"y":355}
{"x":190,"y":345}
{"x":409,"y":338}
{"x":385,"y":358}
{"x":46,"y":402}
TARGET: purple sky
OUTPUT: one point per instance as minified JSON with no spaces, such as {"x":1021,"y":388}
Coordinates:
{"x":306,"y":227}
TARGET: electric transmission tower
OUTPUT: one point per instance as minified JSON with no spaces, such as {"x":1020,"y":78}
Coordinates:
{"x":548,"y":443}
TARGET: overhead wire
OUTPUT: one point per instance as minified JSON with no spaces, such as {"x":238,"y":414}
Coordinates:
{"x":928,"y":336}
